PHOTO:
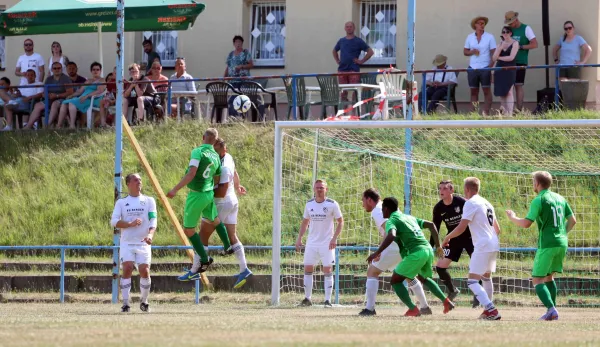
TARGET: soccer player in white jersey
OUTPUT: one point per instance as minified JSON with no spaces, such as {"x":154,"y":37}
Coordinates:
{"x":135,"y":215}
{"x":390,"y":257}
{"x":478,"y":215}
{"x":321,"y":213}
{"x":227,"y":206}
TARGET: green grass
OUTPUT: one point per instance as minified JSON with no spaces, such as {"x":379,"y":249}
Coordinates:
{"x":224,"y":321}
{"x":57,"y":187}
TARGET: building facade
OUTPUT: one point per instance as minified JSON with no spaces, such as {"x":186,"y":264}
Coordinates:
{"x":297,"y":36}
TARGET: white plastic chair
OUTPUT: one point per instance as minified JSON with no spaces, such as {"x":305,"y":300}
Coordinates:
{"x":391,"y":84}
{"x":91,"y":109}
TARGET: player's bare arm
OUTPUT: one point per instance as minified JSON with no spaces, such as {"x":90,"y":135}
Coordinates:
{"x":520,"y":222}
{"x":436,"y":237}
{"x":123,"y":224}
{"x":384,"y":244}
{"x":571,"y":221}
{"x":338,"y":231}
{"x":221,"y":190}
{"x":303,"y":227}
{"x":460,"y":228}
{"x":496,"y":227}
{"x":184,"y":181}
{"x":148,"y":239}
{"x":240,"y":189}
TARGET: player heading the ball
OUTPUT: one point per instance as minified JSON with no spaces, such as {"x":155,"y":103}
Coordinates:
{"x":320,"y":213}
{"x":478,"y":215}
{"x":135,"y":215}
{"x":202,"y":175}
{"x":554,"y":219}
{"x":417,"y":263}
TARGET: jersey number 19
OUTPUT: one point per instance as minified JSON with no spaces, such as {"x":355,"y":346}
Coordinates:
{"x":559,"y":215}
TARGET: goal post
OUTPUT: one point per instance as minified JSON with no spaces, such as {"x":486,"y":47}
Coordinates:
{"x":403,"y":158}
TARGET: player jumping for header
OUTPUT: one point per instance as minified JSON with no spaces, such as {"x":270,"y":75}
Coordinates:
{"x":549,"y":210}
{"x":406,"y":231}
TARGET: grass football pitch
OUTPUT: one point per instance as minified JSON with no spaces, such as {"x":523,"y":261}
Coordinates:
{"x":229,"y":324}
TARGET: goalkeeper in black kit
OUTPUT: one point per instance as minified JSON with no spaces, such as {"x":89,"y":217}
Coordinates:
{"x":449,"y":210}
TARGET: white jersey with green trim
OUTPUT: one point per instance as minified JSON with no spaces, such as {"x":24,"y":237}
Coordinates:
{"x":227,"y":174}
{"x":129,"y":209}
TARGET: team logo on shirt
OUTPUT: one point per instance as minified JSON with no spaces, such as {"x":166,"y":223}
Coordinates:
{"x":143,"y":202}
{"x":325,"y":210}
{"x":457,"y":209}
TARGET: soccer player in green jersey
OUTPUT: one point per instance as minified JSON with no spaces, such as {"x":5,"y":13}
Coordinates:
{"x":417,"y":263}
{"x":554,"y":219}
{"x":202,"y":175}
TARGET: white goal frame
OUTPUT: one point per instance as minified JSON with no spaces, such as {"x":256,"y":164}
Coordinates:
{"x":280,"y":126}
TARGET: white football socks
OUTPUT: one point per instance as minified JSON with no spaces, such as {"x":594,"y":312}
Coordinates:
{"x":125,"y":289}
{"x":371,"y":294}
{"x":328,"y":286}
{"x":308,"y":284}
{"x":238,"y":250}
{"x":145,"y":289}
{"x":417,"y":289}
{"x":195,"y":263}
{"x":481,"y":295}
{"x":488,"y":285}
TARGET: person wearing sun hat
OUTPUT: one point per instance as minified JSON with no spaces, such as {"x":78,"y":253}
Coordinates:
{"x":479,"y":47}
{"x":438,"y":82}
{"x":523,"y":34}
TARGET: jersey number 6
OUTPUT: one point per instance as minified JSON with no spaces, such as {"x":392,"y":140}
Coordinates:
{"x":206,"y":173}
{"x":490,"y":216}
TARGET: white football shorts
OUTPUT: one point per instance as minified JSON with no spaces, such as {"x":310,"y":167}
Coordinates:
{"x":228,"y":211}
{"x":482,"y":262}
{"x":314,"y":254}
{"x":390,"y":257}
{"x":137,"y":253}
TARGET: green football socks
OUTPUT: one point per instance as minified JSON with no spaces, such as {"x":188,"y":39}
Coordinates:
{"x":435,"y":289}
{"x":222,"y":232}
{"x":402,"y":293}
{"x":199,"y":247}
{"x":544,"y":294}
{"x":552,"y":289}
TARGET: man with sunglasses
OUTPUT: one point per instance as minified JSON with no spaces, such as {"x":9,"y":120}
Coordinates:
{"x":523,"y":34}
{"x":29,"y":60}
{"x":56,"y":94}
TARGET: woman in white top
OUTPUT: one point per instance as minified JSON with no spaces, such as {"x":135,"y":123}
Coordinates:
{"x":570,"y":47}
{"x":57,"y":56}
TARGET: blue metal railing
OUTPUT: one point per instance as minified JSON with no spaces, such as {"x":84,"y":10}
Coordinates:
{"x":338,"y":250}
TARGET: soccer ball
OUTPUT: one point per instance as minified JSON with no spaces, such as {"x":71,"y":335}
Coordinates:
{"x":242,"y":103}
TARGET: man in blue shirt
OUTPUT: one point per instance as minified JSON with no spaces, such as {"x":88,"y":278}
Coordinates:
{"x":350,"y":48}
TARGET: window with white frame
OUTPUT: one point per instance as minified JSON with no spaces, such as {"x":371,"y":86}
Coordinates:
{"x":267,"y":33}
{"x":165,"y":44}
{"x":378,"y":29}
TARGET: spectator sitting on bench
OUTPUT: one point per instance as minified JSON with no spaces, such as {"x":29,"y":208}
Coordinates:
{"x":56,"y":94}
{"x":81,"y":99}
{"x":23,"y":102}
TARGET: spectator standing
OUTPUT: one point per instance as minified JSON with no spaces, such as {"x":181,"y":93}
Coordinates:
{"x":56,"y":94}
{"x":186,"y":84}
{"x":152,"y":55}
{"x":30,"y":60}
{"x":138,"y":95}
{"x":239,"y":61}
{"x":57,"y":57}
{"x":570,"y":46}
{"x":72,"y":72}
{"x":438,"y":82}
{"x":350,"y":48}
{"x":81,"y":99}
{"x":504,"y":80}
{"x":479,"y":47}
{"x":523,"y":34}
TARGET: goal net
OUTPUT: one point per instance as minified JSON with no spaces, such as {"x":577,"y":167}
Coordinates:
{"x":408,"y":164}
